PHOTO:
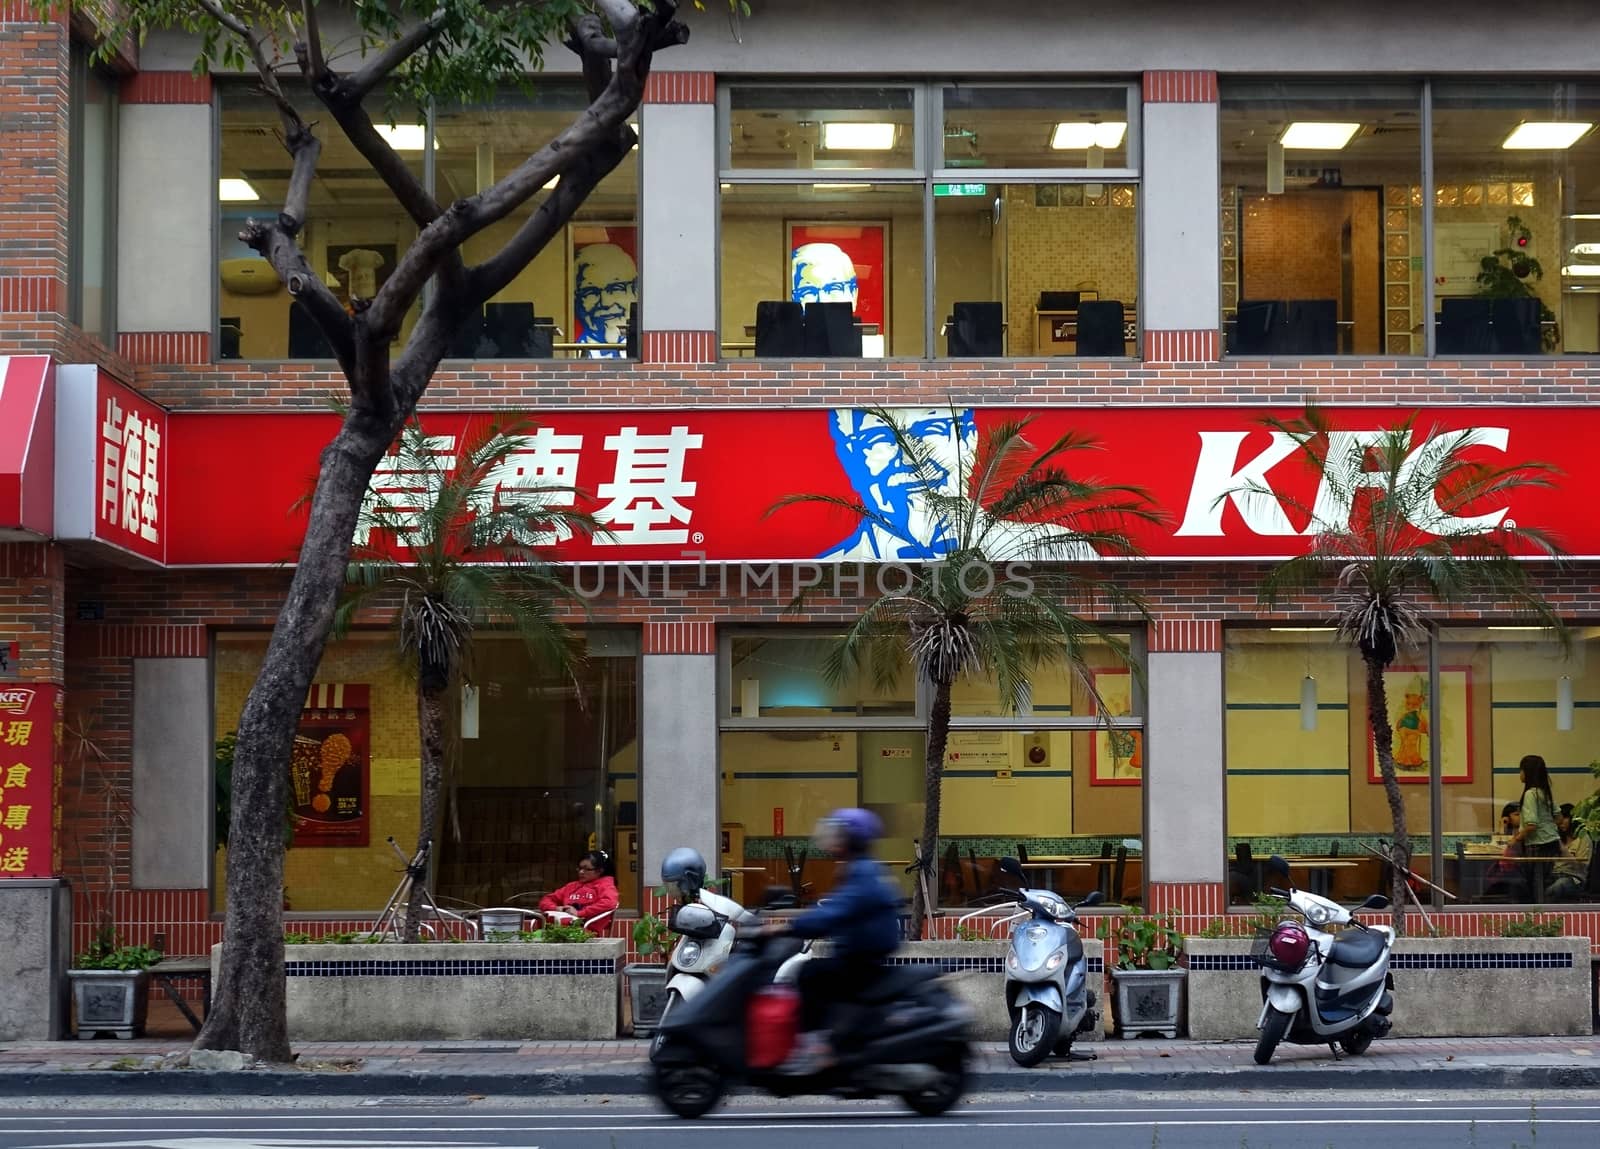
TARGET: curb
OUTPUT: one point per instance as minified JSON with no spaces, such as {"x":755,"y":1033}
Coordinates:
{"x":590,"y":1083}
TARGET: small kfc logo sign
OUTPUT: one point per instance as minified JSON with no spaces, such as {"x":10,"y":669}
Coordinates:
{"x":15,"y":700}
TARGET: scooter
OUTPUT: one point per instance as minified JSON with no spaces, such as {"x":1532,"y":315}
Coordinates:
{"x":1047,"y":976}
{"x":905,"y":1036}
{"x":1322,"y":988}
{"x":706,"y":927}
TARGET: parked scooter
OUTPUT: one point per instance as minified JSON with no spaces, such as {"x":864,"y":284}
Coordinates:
{"x":1047,"y":976}
{"x":905,"y":1036}
{"x":1322,"y":988}
{"x":705,"y":921}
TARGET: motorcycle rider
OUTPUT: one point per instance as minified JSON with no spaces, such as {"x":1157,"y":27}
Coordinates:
{"x":860,"y":917}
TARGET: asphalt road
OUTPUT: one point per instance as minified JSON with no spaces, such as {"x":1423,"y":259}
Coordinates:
{"x":1108,"y":1121}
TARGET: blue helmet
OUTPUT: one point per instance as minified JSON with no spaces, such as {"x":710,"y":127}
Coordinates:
{"x":860,"y":828}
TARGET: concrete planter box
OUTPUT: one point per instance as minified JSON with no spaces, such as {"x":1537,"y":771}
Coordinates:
{"x":440,"y":991}
{"x":113,"y":1001}
{"x":1149,"y":1001}
{"x":1444,"y":987}
{"x":647,"y":996}
{"x":977,"y":976}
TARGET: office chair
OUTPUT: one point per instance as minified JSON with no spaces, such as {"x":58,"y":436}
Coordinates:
{"x":1514,"y":327}
{"x":831,"y":331}
{"x":977,"y":331}
{"x":1101,"y":328}
{"x":1253,"y":322}
{"x":1310,"y":327}
{"x":1464,"y":327}
{"x":464,"y":343}
{"x":306,"y":340}
{"x":510,"y":328}
{"x":780,"y":329}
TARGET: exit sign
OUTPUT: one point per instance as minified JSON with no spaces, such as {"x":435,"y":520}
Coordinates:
{"x":960,"y":189}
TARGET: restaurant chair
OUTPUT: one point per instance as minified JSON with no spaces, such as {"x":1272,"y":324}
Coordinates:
{"x":306,"y":340}
{"x":1310,"y":327}
{"x":230,"y":334}
{"x":468,"y":335}
{"x":630,"y":337}
{"x":1464,"y":327}
{"x":1022,"y":853}
{"x":1101,"y":328}
{"x":1117,"y":873}
{"x":976,"y":331}
{"x":780,"y":329}
{"x":831,"y":331}
{"x":510,"y":327}
{"x":1514,"y":327}
{"x":1253,"y":323}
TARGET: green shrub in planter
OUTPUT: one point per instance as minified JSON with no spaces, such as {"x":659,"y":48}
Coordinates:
{"x":1528,"y":926}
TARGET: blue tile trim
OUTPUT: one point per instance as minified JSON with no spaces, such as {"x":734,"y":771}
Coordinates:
{"x":977,"y":964}
{"x":1244,"y":963}
{"x":1222,"y":963}
{"x":507,"y":967}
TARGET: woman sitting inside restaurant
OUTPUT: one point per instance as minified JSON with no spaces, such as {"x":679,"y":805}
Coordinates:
{"x":593,"y":894}
{"x":1572,"y":871}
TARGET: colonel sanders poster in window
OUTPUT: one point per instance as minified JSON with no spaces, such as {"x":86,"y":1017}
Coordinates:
{"x":842,"y":263}
{"x":329,"y":767}
{"x":605,"y":286}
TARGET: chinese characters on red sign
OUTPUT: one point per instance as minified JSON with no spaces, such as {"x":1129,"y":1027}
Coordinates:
{"x":130,"y":460}
{"x":329,"y":775}
{"x":30,"y":775}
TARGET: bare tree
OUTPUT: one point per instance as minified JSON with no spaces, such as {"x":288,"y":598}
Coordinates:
{"x":416,"y":51}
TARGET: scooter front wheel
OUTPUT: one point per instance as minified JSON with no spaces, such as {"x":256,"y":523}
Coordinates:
{"x":935,"y":1099}
{"x":690,"y":1091}
{"x":1034,"y":1032}
{"x":1273,"y":1027}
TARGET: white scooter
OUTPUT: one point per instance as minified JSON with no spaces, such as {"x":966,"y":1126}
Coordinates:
{"x":1322,"y":988}
{"x":1047,"y":975}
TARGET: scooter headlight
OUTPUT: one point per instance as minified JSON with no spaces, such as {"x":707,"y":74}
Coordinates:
{"x":688,"y":952}
{"x":1318,"y":915}
{"x":1053,"y":962}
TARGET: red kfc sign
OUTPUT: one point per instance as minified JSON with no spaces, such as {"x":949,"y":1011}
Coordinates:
{"x":30,"y":742}
{"x":130,"y":460}
{"x":685,"y":486}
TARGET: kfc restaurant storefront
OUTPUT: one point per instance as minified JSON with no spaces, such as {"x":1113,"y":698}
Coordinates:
{"x":702,"y":716}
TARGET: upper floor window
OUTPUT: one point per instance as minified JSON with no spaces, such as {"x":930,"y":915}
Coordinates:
{"x":92,"y":197}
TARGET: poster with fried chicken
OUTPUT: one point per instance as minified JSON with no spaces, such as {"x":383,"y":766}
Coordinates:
{"x":329,"y":768}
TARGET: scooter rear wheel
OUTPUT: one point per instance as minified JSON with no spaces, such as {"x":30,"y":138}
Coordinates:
{"x":1035,"y":1030}
{"x":689,"y":1091}
{"x":936,"y":1099}
{"x":1273,"y":1027}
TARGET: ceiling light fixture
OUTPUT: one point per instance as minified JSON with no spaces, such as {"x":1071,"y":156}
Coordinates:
{"x":1584,"y":215}
{"x":406,"y":137}
{"x":1078,"y":135}
{"x":1313,"y":136}
{"x":850,"y":136}
{"x":838,"y":187}
{"x":1546,"y":135}
{"x":1581,"y":269}
{"x":230,"y":190}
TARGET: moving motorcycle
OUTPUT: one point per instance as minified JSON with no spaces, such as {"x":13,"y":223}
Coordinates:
{"x":1322,"y":988}
{"x":905,"y":1035}
{"x":1047,"y":976}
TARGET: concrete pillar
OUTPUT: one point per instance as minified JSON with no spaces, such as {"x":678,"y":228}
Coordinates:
{"x":678,"y":790}
{"x":173,"y":765}
{"x":678,"y":219}
{"x":35,"y":951}
{"x":1179,"y":282}
{"x":1185,"y":782}
{"x":166,"y":204}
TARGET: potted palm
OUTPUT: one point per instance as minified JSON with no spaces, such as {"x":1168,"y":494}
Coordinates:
{"x":1148,"y":978}
{"x":111,"y":988}
{"x":647,"y":981}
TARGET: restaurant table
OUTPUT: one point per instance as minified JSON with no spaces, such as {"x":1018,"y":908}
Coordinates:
{"x":1048,"y":869}
{"x":1320,"y":870}
{"x":1476,"y":864}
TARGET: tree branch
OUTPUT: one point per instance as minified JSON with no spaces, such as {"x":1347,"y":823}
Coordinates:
{"x":306,"y":149}
{"x":312,"y":39}
{"x":377,"y":69}
{"x":586,"y":36}
{"x":278,"y":247}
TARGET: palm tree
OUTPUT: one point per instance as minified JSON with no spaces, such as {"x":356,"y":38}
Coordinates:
{"x":1399,"y":524}
{"x":461,"y":550}
{"x":1000,"y":500}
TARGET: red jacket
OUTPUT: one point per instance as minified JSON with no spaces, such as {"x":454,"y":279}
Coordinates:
{"x":585,"y":899}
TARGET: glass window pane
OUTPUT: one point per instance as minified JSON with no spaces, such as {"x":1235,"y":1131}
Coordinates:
{"x":1056,"y":693}
{"x":1302,"y":782}
{"x":1036,"y":127}
{"x":355,"y":232}
{"x":93,"y":195}
{"x":781,"y":676}
{"x":579,"y":295}
{"x":1036,"y":269}
{"x":1526,"y":698}
{"x":822,"y":243}
{"x":1516,"y":261}
{"x":1322,"y":218}
{"x":822,"y":128}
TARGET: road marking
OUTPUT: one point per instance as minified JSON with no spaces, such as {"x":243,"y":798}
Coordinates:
{"x":266,"y":1143}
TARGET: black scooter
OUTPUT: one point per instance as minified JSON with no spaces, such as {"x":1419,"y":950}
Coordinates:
{"x":905,"y":1036}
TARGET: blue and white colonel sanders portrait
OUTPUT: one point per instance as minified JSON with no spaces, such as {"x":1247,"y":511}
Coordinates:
{"x":605,"y":285}
{"x":823,"y":273}
{"x":892,"y":486}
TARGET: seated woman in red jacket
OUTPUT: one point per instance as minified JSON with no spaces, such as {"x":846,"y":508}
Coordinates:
{"x":593,"y":894}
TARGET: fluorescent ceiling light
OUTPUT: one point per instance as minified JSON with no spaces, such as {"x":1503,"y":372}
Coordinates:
{"x":1585,"y":215}
{"x":1519,"y":628}
{"x":551,"y":183}
{"x":839,"y":187}
{"x":1541,"y":135}
{"x":848,"y":136}
{"x":1585,"y":269}
{"x":405,"y":137}
{"x":1076,"y":135}
{"x":236,"y":191}
{"x":1302,"y":629}
{"x":1312,"y":136}
{"x":1586,"y":249}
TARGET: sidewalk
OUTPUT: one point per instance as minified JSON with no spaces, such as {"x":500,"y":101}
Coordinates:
{"x":404,"y":1069}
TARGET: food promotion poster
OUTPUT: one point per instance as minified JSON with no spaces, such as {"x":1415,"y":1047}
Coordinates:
{"x":330,"y":767}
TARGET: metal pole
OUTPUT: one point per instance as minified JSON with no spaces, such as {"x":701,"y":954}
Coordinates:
{"x":1429,"y":334}
{"x":1435,"y":788}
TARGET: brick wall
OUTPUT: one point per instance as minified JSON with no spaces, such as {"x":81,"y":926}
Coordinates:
{"x":31,"y":585}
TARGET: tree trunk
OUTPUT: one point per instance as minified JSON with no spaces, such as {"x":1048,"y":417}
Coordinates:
{"x":926,"y":897}
{"x":430,"y":727}
{"x":1383,"y":746}
{"x":247,"y":1013}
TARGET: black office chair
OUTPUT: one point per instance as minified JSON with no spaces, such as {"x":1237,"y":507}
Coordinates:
{"x":1022,"y":853}
{"x":1514,"y":327}
{"x":544,"y":337}
{"x":229,"y":335}
{"x":831,"y":331}
{"x":306,"y":340}
{"x":1310,"y":327}
{"x":976,"y":331}
{"x":469,"y":335}
{"x":1464,"y":327}
{"x":510,"y":328}
{"x":1119,"y":871}
{"x":1253,"y":323}
{"x":780,"y":329}
{"x":1101,"y":328}
{"x":631,"y":337}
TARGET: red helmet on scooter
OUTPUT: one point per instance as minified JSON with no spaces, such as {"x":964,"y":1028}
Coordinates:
{"x":1289,"y":945}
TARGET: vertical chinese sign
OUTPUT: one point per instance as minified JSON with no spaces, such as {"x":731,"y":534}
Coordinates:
{"x":30,"y":779}
{"x":330,"y":773}
{"x":130,"y":469}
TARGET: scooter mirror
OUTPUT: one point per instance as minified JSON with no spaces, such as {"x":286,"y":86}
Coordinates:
{"x":1012,"y":867}
{"x":1376,"y":902}
{"x":1094,"y":899}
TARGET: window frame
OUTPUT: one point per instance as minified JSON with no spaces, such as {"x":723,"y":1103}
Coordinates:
{"x":82,"y":74}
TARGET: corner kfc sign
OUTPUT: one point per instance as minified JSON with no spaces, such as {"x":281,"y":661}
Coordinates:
{"x":111,"y":464}
{"x":30,"y":741}
{"x":686,"y":486}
